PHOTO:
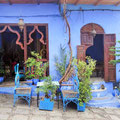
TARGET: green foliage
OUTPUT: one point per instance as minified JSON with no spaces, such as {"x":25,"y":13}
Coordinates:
{"x":116,"y":52}
{"x":84,"y":71}
{"x":48,"y":88}
{"x":61,"y":62}
{"x":35,"y":67}
{"x":1,"y":69}
{"x":1,"y":62}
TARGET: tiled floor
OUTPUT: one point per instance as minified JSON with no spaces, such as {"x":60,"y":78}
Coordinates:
{"x":23,"y":112}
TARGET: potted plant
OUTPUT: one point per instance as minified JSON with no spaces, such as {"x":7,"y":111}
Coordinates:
{"x":49,"y":90}
{"x":84,"y":71}
{"x":1,"y":66}
{"x":1,"y":72}
{"x":35,"y":67}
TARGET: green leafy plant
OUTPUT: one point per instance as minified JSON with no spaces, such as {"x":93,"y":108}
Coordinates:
{"x":35,"y":66}
{"x":116,"y":52}
{"x":84,"y":71}
{"x":2,"y":71}
{"x":48,"y":88}
{"x":61,"y":62}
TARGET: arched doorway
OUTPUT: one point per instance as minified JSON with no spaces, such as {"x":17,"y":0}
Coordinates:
{"x":96,"y":52}
{"x":11,"y":52}
{"x":86,"y":35}
{"x":89,"y":46}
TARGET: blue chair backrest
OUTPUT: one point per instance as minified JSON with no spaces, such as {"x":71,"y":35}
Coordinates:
{"x":17,"y":80}
{"x":16,"y":68}
{"x":76,"y":84}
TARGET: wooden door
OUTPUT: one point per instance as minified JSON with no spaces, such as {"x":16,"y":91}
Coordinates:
{"x":86,"y":39}
{"x":81,"y":52}
{"x":109,"y":69}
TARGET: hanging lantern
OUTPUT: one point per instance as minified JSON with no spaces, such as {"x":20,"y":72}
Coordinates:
{"x":93,"y":32}
{"x":21,"y":24}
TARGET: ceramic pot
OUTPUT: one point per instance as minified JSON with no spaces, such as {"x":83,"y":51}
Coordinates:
{"x":81,"y":108}
{"x":46,"y":104}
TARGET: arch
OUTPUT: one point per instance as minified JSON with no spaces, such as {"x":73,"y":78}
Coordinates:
{"x":87,"y":38}
{"x":86,"y":35}
{"x":15,"y":32}
{"x":90,"y":26}
{"x":31,"y":39}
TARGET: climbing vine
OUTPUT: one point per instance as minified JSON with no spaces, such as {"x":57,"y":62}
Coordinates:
{"x":69,"y":69}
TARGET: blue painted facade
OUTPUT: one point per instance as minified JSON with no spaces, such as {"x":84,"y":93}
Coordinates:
{"x":49,"y":13}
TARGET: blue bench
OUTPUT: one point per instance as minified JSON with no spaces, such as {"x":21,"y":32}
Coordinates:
{"x":70,"y":95}
{"x":23,"y":92}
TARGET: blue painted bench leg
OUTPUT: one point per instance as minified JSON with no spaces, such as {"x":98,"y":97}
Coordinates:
{"x":64,"y":106}
{"x":64,"y":109}
{"x":29,"y":101}
{"x":15,"y":99}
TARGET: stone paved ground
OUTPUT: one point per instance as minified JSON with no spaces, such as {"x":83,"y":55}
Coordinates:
{"x":23,"y":112}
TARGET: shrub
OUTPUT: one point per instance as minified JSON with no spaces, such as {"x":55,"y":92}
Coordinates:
{"x":35,"y":66}
{"x":84,"y":71}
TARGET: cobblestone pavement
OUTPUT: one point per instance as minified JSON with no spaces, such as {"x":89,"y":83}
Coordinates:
{"x":23,"y":112}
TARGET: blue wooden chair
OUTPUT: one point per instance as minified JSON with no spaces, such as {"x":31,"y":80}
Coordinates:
{"x":21,"y":72}
{"x":70,"y":95}
{"x":23,"y":92}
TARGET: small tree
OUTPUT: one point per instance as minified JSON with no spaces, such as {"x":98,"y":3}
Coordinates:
{"x":61,"y":62}
{"x":35,"y":66}
{"x":84,"y":71}
{"x":48,"y":88}
{"x":116,"y":52}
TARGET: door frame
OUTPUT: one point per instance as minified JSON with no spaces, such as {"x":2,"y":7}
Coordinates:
{"x":85,"y":36}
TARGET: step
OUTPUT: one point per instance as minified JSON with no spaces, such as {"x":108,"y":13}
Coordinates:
{"x":99,"y":92}
{"x":97,"y":85}
{"x":106,"y":98}
{"x":110,"y":103}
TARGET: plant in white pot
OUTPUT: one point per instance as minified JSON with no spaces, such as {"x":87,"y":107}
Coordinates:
{"x":84,"y":71}
{"x":49,"y":90}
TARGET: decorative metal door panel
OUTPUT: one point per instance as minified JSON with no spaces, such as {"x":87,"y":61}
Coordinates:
{"x":12,"y":44}
{"x":34,"y":37}
{"x":37,"y":40}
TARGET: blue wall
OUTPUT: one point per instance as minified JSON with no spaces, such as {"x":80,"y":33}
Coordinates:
{"x":109,"y":20}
